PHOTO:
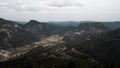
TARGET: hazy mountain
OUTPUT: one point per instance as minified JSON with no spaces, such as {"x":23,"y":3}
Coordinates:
{"x":85,"y":31}
{"x":66,"y":23}
{"x":112,"y":25}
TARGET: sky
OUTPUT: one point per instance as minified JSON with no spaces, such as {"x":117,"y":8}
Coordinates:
{"x":60,"y":10}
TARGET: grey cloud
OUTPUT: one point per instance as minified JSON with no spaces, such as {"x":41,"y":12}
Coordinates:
{"x":63,"y":4}
{"x":17,"y":7}
{"x":23,"y":6}
{"x":58,"y":9}
{"x":36,"y":6}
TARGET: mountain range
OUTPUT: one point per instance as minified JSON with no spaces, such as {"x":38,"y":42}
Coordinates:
{"x":48,"y":45}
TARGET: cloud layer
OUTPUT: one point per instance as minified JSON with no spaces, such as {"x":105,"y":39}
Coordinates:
{"x":64,"y":3}
{"x":36,"y":5}
{"x":60,"y":10}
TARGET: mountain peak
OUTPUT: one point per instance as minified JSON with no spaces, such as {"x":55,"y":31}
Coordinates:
{"x":1,"y":19}
{"x":33,"y":22}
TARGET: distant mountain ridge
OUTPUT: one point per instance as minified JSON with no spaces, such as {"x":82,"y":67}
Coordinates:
{"x":35,"y":29}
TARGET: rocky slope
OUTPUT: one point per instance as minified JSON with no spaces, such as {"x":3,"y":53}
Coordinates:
{"x":13,"y":35}
{"x":52,"y":47}
{"x":104,"y":46}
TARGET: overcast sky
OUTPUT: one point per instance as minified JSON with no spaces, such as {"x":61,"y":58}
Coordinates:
{"x":60,"y":10}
